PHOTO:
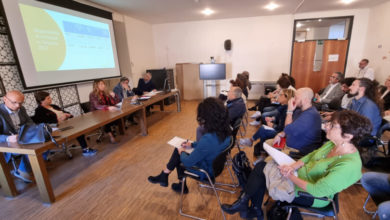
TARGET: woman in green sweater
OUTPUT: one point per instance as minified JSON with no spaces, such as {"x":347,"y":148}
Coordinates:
{"x":324,"y":172}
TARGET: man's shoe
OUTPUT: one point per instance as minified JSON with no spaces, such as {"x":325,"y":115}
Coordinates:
{"x":241,"y":205}
{"x":246,"y":142}
{"x":256,"y":115}
{"x":162,"y":179}
{"x":177,"y":187}
{"x":255,"y":123}
{"x":89,"y":152}
{"x":26,"y":177}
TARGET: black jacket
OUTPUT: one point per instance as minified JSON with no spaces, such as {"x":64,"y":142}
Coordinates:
{"x":44,"y":115}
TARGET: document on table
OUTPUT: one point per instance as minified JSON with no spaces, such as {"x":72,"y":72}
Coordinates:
{"x":278,"y":156}
{"x":177,"y":141}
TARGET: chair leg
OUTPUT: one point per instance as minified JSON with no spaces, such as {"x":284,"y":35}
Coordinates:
{"x":219,"y":189}
{"x":181,"y":202}
{"x":367,"y":211}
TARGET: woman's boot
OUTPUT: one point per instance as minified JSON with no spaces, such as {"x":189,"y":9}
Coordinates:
{"x":162,"y":179}
{"x":240,"y":205}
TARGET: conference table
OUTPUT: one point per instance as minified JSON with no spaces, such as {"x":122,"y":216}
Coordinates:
{"x":80,"y":125}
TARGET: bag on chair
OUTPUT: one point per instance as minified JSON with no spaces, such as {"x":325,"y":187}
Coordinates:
{"x":35,"y":134}
{"x":242,"y":168}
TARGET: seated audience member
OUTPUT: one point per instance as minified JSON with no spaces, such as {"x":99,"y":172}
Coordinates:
{"x":365,"y":102}
{"x":365,"y":71}
{"x":332,"y":92}
{"x":145,"y":84}
{"x":275,"y":124}
{"x":303,"y":123}
{"x":213,"y":116}
{"x":269,"y":103}
{"x":100,"y":99}
{"x":378,"y":186}
{"x":346,"y":101}
{"x":122,"y":89}
{"x":385,"y":96}
{"x":46,"y":112}
{"x":235,"y":106}
{"x":323,"y":173}
{"x":12,"y":116}
{"x":242,"y":81}
{"x":248,"y":83}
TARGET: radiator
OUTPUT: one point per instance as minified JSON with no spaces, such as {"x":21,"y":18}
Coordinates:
{"x":258,"y":89}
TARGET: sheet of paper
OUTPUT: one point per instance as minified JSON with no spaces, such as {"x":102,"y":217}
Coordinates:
{"x":177,"y":141}
{"x":279,"y":157}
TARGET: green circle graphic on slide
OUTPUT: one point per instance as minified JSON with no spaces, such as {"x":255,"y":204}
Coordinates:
{"x":45,"y":38}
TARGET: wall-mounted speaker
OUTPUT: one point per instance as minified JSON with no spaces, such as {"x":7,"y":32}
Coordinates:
{"x":227,"y":45}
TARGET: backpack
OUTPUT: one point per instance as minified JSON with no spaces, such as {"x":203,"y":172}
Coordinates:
{"x":242,"y":168}
{"x":279,"y":211}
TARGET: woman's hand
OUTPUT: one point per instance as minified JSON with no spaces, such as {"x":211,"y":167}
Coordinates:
{"x":278,"y":138}
{"x":112,"y":94}
{"x":112,"y":108}
{"x":186,"y":145}
{"x":286,"y":170}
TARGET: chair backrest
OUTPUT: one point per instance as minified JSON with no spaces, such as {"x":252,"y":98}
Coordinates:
{"x":219,"y":161}
{"x":236,"y":126}
{"x":85,"y":106}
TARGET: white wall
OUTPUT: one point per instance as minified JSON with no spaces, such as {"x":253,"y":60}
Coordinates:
{"x":260,"y":45}
{"x":141,"y":46}
{"x":377,"y":47}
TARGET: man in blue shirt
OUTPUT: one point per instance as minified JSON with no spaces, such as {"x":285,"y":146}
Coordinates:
{"x":366,"y":94}
{"x":303,"y":123}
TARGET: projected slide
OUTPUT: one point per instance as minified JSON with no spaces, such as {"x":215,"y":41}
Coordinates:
{"x":60,"y":41}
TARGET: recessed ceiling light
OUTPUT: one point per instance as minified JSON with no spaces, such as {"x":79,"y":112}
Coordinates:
{"x":319,"y":20}
{"x":347,"y":1}
{"x":271,"y":6}
{"x":307,"y":29}
{"x":207,"y":12}
{"x":299,"y":25}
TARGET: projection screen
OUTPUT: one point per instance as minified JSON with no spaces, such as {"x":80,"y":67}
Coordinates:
{"x":56,"y":45}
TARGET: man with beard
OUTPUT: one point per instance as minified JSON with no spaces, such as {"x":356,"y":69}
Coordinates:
{"x":303,"y":123}
{"x":365,"y":95}
{"x":346,"y":101}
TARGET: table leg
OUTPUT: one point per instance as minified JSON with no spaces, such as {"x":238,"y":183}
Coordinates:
{"x":162,"y":105}
{"x":142,"y":121}
{"x":6,"y":181}
{"x":42,"y":178}
{"x":121,"y":126}
{"x":178,"y":105}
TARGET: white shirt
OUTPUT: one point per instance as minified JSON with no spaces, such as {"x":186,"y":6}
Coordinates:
{"x":329,"y":90}
{"x":366,"y":72}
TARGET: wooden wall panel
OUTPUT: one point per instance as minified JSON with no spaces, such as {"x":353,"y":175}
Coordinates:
{"x":303,"y":58}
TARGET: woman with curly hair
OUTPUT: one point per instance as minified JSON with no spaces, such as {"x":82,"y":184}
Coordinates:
{"x":322,"y":173}
{"x":213,"y":116}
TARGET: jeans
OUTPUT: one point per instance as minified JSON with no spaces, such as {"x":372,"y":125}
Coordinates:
{"x":378,"y":186}
{"x":24,"y":164}
{"x":263,"y":134}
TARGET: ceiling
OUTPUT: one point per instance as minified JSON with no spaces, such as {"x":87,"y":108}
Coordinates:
{"x":167,"y":11}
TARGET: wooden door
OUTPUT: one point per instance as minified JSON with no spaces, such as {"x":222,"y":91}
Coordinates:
{"x":303,"y":61}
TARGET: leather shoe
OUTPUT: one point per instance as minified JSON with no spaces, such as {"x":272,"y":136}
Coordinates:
{"x":238,"y":206}
{"x":252,"y":212}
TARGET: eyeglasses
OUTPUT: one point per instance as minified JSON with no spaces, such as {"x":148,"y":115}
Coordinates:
{"x":331,"y":125}
{"x":14,"y":102}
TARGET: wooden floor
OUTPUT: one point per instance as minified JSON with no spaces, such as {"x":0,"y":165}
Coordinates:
{"x":113,"y":184}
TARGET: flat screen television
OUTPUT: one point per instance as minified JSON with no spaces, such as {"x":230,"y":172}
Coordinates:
{"x":212,"y":71}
